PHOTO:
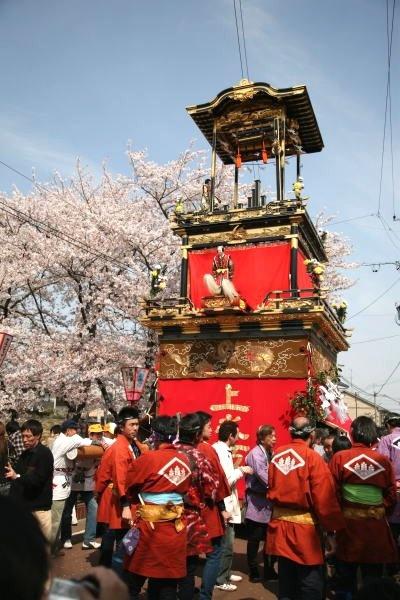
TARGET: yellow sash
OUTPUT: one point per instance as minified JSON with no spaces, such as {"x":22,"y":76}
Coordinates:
{"x":293,"y":515}
{"x":154,"y":513}
{"x":372,"y":512}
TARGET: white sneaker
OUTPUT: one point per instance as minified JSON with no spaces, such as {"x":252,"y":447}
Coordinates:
{"x":235,"y":578}
{"x":94,"y":545}
{"x":67,"y":544}
{"x":227,"y":587}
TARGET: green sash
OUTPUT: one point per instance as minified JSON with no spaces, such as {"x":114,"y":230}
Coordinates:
{"x":362,"y":494}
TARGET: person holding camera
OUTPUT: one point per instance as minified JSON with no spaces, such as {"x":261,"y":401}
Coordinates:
{"x":31,"y":478}
{"x":83,"y":486}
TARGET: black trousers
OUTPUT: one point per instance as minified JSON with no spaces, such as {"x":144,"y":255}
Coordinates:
{"x":346,"y":575}
{"x":299,"y":582}
{"x":256,"y":535}
{"x":157,"y":589}
{"x":186,"y":585}
{"x":393,"y":568}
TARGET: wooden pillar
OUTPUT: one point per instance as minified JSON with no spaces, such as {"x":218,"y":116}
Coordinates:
{"x":213,"y":165}
{"x":282,"y":158}
{"x":278,"y":160}
{"x":184,"y":267}
{"x":298,"y":167}
{"x":294,"y":245}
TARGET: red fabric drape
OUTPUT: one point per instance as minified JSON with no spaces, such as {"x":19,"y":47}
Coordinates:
{"x":268,"y":402}
{"x":258,"y":270}
{"x":303,"y":278}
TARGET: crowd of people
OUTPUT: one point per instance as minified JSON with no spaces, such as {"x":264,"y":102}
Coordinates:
{"x":321,"y":513}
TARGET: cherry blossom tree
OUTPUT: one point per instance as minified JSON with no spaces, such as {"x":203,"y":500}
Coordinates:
{"x":77,"y":261}
{"x":337,"y":248}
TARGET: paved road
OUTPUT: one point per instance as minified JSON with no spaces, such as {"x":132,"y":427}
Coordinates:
{"x":76,"y":562}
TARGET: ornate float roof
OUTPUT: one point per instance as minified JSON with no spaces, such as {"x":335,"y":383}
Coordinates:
{"x":244,"y":115}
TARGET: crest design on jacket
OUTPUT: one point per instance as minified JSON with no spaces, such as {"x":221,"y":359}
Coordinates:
{"x":176,"y":471}
{"x":288,"y":461}
{"x":363,"y":466}
{"x":396,"y":442}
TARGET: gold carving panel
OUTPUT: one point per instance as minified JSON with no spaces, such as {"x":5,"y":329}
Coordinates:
{"x":233,"y":358}
{"x":239,"y":235}
{"x":321,"y":361}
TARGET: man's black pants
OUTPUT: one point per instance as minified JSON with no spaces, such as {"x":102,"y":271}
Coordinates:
{"x":346,"y":575}
{"x":299,"y":582}
{"x":157,"y":589}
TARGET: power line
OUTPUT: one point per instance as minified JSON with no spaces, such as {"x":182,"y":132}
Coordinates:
{"x":389,"y":232}
{"x":244,"y":40}
{"x":375,"y":300}
{"x":388,"y":378}
{"x":389,"y":42}
{"x":388,"y":337}
{"x":362,"y":391}
{"x":50,"y":230}
{"x":377,"y":265}
{"x":351,"y":219}
{"x":388,"y":95}
{"x":238,"y":38}
{"x":19,"y":173}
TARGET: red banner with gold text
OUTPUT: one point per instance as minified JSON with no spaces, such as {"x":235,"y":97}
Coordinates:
{"x":249,"y":402}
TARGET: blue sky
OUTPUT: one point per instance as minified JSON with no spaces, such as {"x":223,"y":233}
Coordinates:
{"x":84,"y":78}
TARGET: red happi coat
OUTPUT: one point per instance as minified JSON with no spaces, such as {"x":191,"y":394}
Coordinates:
{"x":122,"y":459}
{"x":161,"y":552}
{"x":103,"y":479}
{"x":202,"y":492}
{"x":365,"y":540}
{"x":210,"y":513}
{"x":299,"y":479}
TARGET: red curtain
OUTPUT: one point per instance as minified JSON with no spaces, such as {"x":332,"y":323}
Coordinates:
{"x":267,"y":401}
{"x":303,"y":278}
{"x":258,"y":271}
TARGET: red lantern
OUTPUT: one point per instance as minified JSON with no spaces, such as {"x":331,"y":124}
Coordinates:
{"x":134,"y":380}
{"x":264,"y":153}
{"x":238,"y":159}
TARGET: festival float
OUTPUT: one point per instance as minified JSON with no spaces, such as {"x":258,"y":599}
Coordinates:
{"x":252,"y":337}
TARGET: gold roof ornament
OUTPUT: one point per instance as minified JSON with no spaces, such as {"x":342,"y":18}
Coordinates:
{"x":243,"y":90}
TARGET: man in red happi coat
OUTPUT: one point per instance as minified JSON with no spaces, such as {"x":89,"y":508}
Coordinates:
{"x":302,"y":491}
{"x":124,"y":451}
{"x":202,"y":492}
{"x":214,"y":514}
{"x":367,"y":491}
{"x":161,"y":478}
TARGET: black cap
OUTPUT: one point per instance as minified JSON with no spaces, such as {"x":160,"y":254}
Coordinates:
{"x":69,"y":424}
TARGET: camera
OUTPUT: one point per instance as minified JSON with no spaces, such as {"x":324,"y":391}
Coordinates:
{"x":79,"y":476}
{"x":69,"y":589}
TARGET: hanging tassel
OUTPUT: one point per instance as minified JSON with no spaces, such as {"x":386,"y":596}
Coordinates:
{"x":264,"y":154}
{"x":238,"y":159}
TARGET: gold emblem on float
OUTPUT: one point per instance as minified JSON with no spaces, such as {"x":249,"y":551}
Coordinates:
{"x":230,"y":393}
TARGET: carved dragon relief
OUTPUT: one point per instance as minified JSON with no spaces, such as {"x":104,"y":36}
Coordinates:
{"x":229,"y":358}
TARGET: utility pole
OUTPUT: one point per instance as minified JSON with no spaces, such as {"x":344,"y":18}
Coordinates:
{"x":375,"y":394}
